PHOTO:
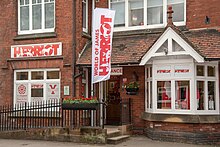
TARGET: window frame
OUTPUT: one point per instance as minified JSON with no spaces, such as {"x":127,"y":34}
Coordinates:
{"x":43,"y":81}
{"x":85,"y":29}
{"x":207,"y":79}
{"x":191,"y":77}
{"x":145,"y":26}
{"x":43,"y":25}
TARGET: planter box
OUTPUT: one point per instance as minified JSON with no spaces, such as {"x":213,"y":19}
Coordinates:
{"x":80,"y":106}
{"x":131,"y":91}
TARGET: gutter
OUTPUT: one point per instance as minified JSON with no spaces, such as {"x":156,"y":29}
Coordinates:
{"x":74,"y":48}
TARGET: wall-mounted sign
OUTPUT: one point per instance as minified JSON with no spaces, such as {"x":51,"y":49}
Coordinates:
{"x":36,"y":50}
{"x":117,"y":71}
{"x":66,"y":90}
{"x":163,"y":70}
{"x":53,"y":91}
{"x":182,"y":70}
{"x":21,"y":93}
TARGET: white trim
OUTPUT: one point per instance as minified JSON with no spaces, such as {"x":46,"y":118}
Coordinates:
{"x":44,"y":81}
{"x":43,"y":29}
{"x":167,"y":35}
{"x":86,"y":28}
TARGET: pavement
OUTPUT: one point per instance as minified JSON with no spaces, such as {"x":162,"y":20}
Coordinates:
{"x":134,"y":141}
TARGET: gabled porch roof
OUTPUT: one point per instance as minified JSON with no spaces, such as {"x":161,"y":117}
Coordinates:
{"x":132,"y":47}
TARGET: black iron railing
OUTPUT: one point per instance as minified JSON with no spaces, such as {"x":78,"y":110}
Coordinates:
{"x":46,"y":114}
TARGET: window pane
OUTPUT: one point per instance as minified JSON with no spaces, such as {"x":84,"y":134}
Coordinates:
{"x":53,"y":75}
{"x":200,"y":95}
{"x":37,"y":92}
{"x":84,"y":14}
{"x":21,"y":2}
{"x":182,"y":100}
{"x":120,"y":13}
{"x":164,"y":95}
{"x":36,"y":12}
{"x":49,"y":15}
{"x":154,"y":12}
{"x":136,"y":11}
{"x":178,"y":8}
{"x":200,"y":70}
{"x":211,"y":95}
{"x":22,"y":76}
{"x":37,"y":75}
{"x":211,"y":71}
{"x":147,"y":94}
{"x":151,"y":97}
{"x":24,"y":18}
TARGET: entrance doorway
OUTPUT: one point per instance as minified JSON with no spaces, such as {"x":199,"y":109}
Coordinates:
{"x":113,"y":100}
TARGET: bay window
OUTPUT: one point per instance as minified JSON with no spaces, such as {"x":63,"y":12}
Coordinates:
{"x":182,"y":89}
{"x":146,"y":13}
{"x":206,"y":82}
{"x":36,"y":16}
{"x":36,"y":85}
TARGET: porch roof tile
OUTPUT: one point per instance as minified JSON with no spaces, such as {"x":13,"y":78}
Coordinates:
{"x":129,"y":49}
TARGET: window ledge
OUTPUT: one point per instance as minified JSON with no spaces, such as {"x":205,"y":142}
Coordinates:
{"x":35,"y":36}
{"x":181,"y":118}
{"x":86,"y":35}
{"x":36,"y":58}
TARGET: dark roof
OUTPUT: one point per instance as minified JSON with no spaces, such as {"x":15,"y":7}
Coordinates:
{"x":130,"y":48}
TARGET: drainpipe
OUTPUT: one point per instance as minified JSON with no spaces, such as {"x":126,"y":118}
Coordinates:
{"x":74,"y":48}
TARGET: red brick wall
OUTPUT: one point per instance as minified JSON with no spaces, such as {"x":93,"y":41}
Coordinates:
{"x":181,"y":132}
{"x":138,"y":101}
{"x":64,"y":25}
{"x":197,"y":10}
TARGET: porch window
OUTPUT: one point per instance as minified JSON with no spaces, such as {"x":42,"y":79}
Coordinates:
{"x":36,"y":85}
{"x":149,"y":88}
{"x":182,"y":91}
{"x":206,"y":87}
{"x":163,"y":94}
{"x":36,"y":16}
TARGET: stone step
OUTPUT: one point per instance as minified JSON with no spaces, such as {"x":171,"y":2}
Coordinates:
{"x":118,"y":139}
{"x":113,"y":133}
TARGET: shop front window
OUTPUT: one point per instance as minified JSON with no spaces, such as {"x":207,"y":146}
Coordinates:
{"x":33,"y":86}
{"x":182,"y":100}
{"x":163,"y":94}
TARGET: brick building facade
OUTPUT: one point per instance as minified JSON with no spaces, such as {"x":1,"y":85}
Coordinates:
{"x":137,"y":51}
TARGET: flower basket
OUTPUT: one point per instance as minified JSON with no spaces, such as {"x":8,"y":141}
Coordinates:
{"x":132,"y":88}
{"x":80,"y":106}
{"x":131,"y":91}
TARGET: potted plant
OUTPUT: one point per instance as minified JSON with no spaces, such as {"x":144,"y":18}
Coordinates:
{"x":80,"y":103}
{"x":132,"y":88}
